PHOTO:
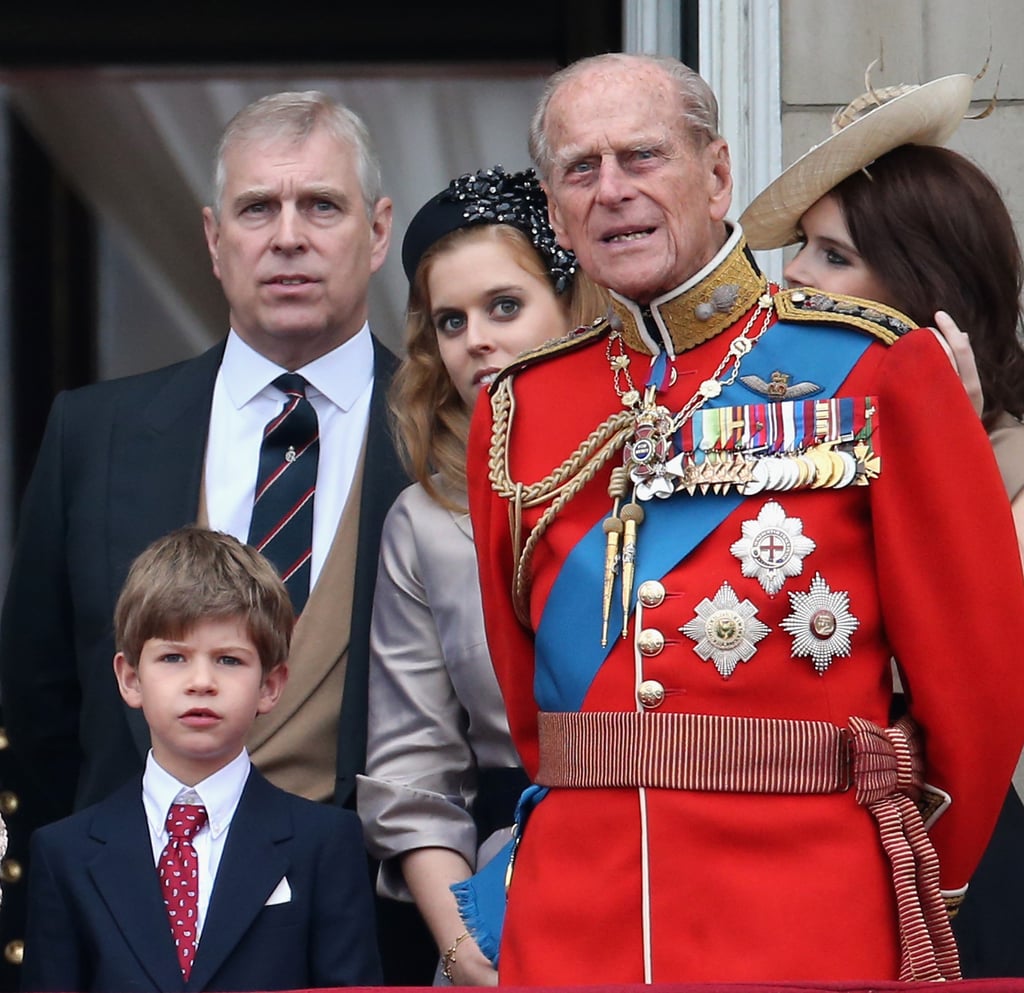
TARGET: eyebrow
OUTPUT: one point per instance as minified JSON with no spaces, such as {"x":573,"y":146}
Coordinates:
{"x":568,"y":154}
{"x":847,"y":246}
{"x":320,"y":191}
{"x":314,"y":191}
{"x":491,"y":291}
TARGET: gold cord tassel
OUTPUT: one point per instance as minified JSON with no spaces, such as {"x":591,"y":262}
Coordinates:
{"x":613,"y":528}
{"x":632,"y":516}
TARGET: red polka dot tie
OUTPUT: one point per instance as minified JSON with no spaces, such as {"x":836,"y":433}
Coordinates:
{"x":179,"y":879}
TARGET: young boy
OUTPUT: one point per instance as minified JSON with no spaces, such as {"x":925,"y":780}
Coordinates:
{"x":261,"y":890}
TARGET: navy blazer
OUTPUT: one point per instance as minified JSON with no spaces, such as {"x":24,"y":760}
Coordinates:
{"x":121,"y":464}
{"x":97,"y":919}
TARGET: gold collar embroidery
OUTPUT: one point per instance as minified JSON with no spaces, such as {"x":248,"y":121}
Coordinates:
{"x":696,"y":311}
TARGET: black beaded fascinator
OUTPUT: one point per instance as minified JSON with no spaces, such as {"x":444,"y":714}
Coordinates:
{"x":490,"y":196}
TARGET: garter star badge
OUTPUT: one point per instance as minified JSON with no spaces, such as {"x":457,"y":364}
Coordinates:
{"x":726,"y":630}
{"x":772,"y":548}
{"x":821,"y":624}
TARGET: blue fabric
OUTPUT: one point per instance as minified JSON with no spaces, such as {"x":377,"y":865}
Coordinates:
{"x":481,"y":898}
{"x":481,"y":901}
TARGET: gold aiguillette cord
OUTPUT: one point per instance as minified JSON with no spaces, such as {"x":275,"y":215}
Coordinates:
{"x":613,"y":528}
{"x":632,"y":517}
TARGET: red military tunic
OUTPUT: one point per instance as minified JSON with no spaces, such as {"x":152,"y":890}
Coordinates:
{"x":641,"y":883}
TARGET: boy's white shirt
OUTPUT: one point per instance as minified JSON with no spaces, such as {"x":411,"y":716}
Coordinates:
{"x":218,"y":793}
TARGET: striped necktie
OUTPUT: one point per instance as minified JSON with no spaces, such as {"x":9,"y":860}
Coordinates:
{"x":282,"y":514}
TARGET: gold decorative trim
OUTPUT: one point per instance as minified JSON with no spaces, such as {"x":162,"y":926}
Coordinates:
{"x":698,"y":313}
{"x":811,"y":305}
{"x":576,"y":338}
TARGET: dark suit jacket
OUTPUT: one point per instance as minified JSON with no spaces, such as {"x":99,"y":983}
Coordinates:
{"x":120,"y":465}
{"x":97,"y":919}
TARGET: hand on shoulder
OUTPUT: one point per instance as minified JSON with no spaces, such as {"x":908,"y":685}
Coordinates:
{"x":957,"y":346}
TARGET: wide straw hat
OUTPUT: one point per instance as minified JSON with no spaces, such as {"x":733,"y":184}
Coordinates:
{"x":922,"y":115}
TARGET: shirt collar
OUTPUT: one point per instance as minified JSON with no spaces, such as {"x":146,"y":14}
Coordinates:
{"x":341,"y":375}
{"x":218,"y":793}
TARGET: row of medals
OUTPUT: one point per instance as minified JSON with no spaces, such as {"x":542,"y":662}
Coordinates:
{"x":824,"y":466}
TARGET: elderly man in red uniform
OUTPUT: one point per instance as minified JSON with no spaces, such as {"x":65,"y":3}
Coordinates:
{"x":706,"y":527}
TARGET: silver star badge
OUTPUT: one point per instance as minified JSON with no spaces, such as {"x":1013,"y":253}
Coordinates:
{"x":726,"y":630}
{"x":773,"y":547}
{"x":821,"y":624}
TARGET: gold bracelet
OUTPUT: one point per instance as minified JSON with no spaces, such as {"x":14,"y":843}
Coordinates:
{"x":448,"y":958}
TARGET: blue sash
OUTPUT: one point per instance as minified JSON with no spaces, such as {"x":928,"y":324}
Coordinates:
{"x":568,"y":643}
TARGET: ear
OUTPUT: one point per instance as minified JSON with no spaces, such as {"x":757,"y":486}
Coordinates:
{"x":555,"y":216}
{"x":380,"y":232}
{"x":212,"y":231}
{"x":272,"y":687}
{"x":719,"y":165}
{"x":128,"y":681}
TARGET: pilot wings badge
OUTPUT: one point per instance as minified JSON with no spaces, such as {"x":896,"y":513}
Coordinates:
{"x":779,"y":388}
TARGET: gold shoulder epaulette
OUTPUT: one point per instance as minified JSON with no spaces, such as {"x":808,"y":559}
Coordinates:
{"x":802,"y":305}
{"x":556,"y":346}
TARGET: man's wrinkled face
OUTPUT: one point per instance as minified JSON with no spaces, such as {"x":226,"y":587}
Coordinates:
{"x":633,"y":193}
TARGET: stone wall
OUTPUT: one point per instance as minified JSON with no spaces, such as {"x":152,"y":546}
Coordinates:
{"x":826,"y":45}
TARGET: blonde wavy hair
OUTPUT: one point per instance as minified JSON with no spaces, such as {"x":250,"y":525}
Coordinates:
{"x":431,"y":420}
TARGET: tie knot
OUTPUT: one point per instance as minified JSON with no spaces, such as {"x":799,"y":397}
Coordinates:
{"x":292,"y":384}
{"x":185,"y":819}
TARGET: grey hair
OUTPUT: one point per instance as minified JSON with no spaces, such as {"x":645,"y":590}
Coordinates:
{"x":700,"y":106}
{"x":297,"y":115}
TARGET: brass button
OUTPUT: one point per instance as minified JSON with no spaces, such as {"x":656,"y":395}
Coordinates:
{"x":650,"y":641}
{"x":14,"y":951}
{"x":650,"y":693}
{"x":10,"y":871}
{"x":8,"y":802}
{"x":4,"y":741}
{"x":651,"y":593}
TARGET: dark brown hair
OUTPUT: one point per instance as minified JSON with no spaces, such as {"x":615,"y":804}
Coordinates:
{"x":192,"y":575}
{"x":934,"y":229}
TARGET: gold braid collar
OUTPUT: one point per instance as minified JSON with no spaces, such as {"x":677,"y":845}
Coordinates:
{"x":697,"y":311}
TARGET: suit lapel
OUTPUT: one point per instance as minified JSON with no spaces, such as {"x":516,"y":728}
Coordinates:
{"x":124,"y":873}
{"x":157,"y":455}
{"x":252,"y":865}
{"x":383,"y":479}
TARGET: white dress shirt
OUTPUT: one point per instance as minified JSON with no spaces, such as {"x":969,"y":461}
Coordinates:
{"x":244,"y":401}
{"x":218,"y":793}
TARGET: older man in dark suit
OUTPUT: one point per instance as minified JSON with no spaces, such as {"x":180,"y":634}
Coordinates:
{"x":297,"y":227}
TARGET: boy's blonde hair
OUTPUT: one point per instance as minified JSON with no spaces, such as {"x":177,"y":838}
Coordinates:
{"x":192,"y":575}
